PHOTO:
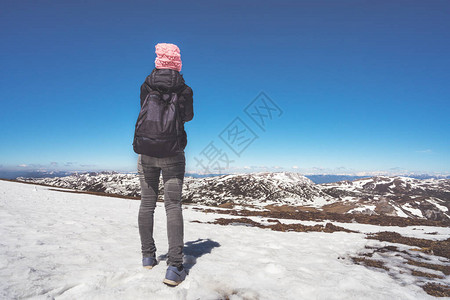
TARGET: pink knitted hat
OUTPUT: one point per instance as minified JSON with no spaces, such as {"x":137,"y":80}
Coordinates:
{"x":167,"y":57}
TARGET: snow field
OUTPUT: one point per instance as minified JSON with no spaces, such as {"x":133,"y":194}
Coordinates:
{"x":77,"y":246}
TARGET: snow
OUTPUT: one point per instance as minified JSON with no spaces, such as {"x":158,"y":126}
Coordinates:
{"x":349,"y":199}
{"x":414,"y":211}
{"x":316,"y":202}
{"x":363,"y":208}
{"x":319,"y":202}
{"x":436,"y":203}
{"x":79,"y":246}
{"x":400,"y":212}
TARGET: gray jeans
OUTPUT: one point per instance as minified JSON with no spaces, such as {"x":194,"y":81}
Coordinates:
{"x":173,"y":169}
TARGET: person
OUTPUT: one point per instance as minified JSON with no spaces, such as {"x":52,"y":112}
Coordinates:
{"x":164,"y":80}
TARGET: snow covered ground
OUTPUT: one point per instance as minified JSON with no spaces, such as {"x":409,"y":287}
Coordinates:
{"x":78,"y":246}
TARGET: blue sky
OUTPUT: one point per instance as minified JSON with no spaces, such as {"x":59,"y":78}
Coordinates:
{"x":361,"y":86}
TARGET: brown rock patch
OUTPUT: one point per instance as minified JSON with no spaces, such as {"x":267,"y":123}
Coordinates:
{"x":439,"y":248}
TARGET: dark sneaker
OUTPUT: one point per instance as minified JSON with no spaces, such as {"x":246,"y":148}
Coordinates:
{"x":149,"y":262}
{"x":174,"y":275}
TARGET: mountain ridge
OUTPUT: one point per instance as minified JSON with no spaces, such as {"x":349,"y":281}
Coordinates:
{"x":386,"y":195}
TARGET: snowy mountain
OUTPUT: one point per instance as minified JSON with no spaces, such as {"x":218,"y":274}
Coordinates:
{"x":105,"y":182}
{"x":58,"y":245}
{"x":396,"y":196}
{"x":256,"y":189}
{"x":401,"y":196}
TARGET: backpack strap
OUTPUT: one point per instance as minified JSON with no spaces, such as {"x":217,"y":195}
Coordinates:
{"x":174,"y":100}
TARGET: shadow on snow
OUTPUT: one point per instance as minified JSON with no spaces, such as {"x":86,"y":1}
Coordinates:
{"x":193,"y":250}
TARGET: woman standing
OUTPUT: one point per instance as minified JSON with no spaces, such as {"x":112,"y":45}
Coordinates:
{"x":160,"y":140}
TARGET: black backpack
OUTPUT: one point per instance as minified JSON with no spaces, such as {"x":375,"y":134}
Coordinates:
{"x":159,"y":130}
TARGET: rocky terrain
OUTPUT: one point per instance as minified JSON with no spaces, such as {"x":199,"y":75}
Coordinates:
{"x":392,"y":196}
{"x":106,"y":182}
{"x":396,"y":196}
{"x":257,"y":189}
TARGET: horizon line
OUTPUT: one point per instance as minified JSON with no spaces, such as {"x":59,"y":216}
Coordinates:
{"x":203,"y":173}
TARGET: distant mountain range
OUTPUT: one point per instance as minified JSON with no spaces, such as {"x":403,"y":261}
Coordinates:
{"x":12,"y":174}
{"x":319,"y":178}
{"x":385,"y":195}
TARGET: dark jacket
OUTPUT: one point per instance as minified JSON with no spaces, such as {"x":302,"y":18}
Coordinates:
{"x":166,"y":81}
{"x":157,"y":134}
